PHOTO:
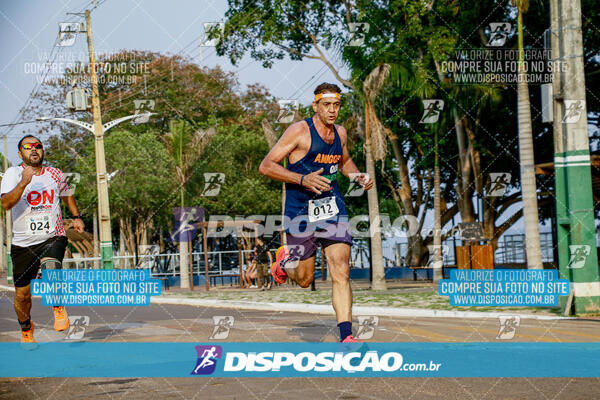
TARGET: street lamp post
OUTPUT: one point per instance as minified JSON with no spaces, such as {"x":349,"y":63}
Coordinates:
{"x":106,"y":248}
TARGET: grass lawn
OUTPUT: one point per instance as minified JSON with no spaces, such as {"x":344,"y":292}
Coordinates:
{"x":413,"y":298}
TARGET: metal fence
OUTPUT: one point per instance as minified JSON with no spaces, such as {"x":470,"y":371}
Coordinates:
{"x":219,"y":262}
{"x":511,"y":249}
{"x":448,"y":252}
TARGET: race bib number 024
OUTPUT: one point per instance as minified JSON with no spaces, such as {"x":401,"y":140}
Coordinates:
{"x":320,"y":209}
{"x":40,"y":225}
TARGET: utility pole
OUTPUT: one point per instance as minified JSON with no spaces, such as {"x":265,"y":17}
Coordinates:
{"x":438,"y":260}
{"x":98,"y":129}
{"x":3,"y":230}
{"x":106,"y":247}
{"x":8,"y":224}
{"x":185,"y":274}
{"x":576,"y":230}
{"x":95,"y":238}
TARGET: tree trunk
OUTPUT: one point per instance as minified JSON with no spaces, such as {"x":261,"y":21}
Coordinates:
{"x":184,"y":265}
{"x":414,"y":253}
{"x":161,"y":242}
{"x":121,"y":243}
{"x":379,"y":282}
{"x":527,"y":164}
{"x":464,"y":178}
{"x":489,"y":220}
{"x":129,"y":238}
{"x":141,"y":232}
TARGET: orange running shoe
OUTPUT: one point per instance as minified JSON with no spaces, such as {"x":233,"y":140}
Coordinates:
{"x":61,"y":319}
{"x":27,"y":340}
{"x":279,"y":275}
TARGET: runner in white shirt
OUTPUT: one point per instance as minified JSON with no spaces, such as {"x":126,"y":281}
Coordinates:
{"x":32,"y":192}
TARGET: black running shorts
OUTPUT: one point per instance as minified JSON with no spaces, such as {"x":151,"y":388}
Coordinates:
{"x":26,"y":260}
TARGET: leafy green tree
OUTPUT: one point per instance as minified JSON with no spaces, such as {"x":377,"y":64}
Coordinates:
{"x":269,"y":30}
{"x":139,"y":183}
{"x":185,"y":145}
{"x":183,"y":92}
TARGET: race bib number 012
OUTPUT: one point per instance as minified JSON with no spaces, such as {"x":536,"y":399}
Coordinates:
{"x":40,"y":225}
{"x":320,"y":209}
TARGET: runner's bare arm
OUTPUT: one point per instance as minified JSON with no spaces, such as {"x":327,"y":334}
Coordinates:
{"x":271,"y":168}
{"x":347,"y":165}
{"x":70,"y":203}
{"x":72,"y":206}
{"x":11,"y":198}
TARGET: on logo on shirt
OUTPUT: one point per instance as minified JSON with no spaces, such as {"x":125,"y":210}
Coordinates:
{"x":35,"y":198}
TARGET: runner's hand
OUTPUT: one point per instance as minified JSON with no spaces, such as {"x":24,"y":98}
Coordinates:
{"x":365,"y":181}
{"x":78,"y":225}
{"x":315,"y":182}
{"x":28,"y":173}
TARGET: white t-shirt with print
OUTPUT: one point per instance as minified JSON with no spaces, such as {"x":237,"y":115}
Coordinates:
{"x":36,"y":217}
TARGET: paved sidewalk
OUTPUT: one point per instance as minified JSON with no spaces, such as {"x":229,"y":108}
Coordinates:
{"x":196,"y":325}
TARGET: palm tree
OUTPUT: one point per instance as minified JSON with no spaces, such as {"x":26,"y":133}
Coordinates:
{"x":183,"y":136}
{"x":375,"y":144}
{"x":526,"y":156}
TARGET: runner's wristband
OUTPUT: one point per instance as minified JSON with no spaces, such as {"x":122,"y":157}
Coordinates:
{"x":301,"y":179}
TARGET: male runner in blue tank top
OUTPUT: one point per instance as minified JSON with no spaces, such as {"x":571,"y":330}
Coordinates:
{"x":314,"y":207}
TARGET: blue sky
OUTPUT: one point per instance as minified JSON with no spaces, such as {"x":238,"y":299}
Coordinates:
{"x":29,"y":30}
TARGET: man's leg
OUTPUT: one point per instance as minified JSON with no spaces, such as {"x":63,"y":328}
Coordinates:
{"x":301,"y":271}
{"x":265,"y":275}
{"x":297,"y":259}
{"x":338,"y":256}
{"x":26,"y":266}
{"x":61,"y":319}
{"x":336,"y":241}
{"x":22,"y":306}
{"x":23,"y":303}
{"x":260,"y":271}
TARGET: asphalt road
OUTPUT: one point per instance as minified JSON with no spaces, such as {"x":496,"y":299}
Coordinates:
{"x":170,"y":323}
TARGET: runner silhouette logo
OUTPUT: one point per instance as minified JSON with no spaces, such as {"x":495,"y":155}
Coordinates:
{"x":432,"y":109}
{"x":207,"y":359}
{"x":287,"y":110}
{"x":508,"y":326}
{"x":499,"y":32}
{"x":579,"y":255}
{"x":77,"y":326}
{"x":367,"y":325}
{"x":222,"y":326}
{"x":212,"y":184}
{"x":573,"y":111}
{"x":499,"y":181}
{"x":358,"y":30}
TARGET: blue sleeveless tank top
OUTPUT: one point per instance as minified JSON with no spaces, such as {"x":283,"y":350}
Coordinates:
{"x":320,"y":155}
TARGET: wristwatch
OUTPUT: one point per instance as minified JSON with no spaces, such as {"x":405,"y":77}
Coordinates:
{"x":76,"y":217}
